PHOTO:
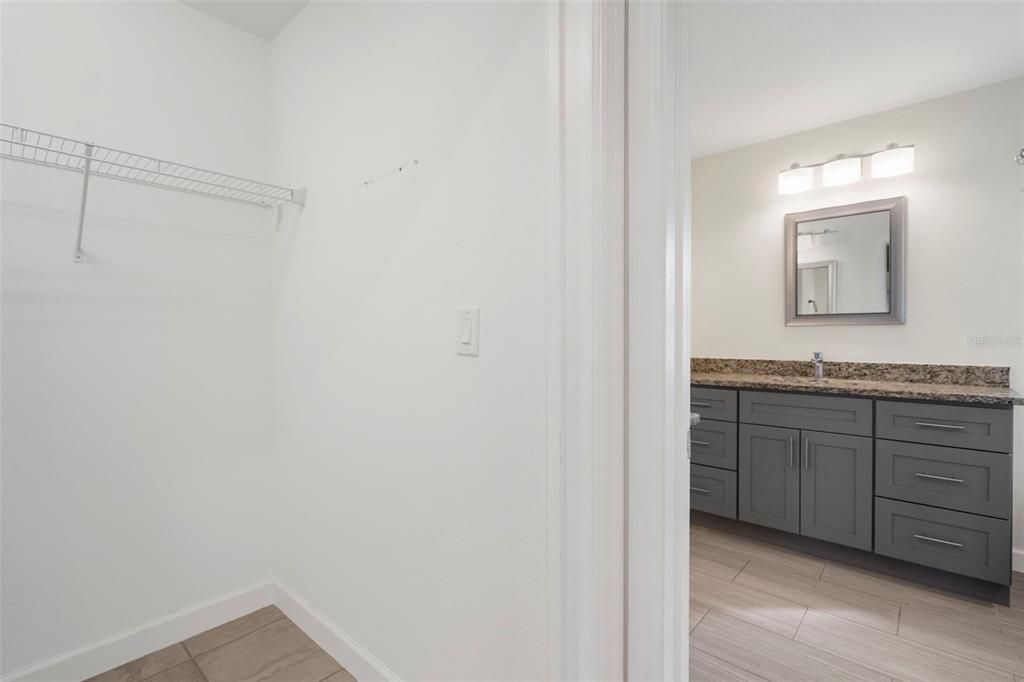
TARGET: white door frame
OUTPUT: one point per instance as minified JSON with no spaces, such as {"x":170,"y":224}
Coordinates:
{"x":618,"y":411}
{"x":659,"y":342}
{"x":586,"y":348}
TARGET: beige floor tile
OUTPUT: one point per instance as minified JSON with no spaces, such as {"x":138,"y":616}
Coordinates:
{"x":186,"y":672}
{"x":279,"y":652}
{"x":706,"y":668}
{"x":759,"y":608}
{"x":980,"y":641}
{"x":1017,"y":591}
{"x":905,"y":592}
{"x":895,"y":656}
{"x":949,"y":607}
{"x":1011,"y":620}
{"x":722,"y":562}
{"x":147,"y":666}
{"x":837,"y":600}
{"x":341,"y":676}
{"x":773,"y":656}
{"x":231,"y":630}
{"x":791,"y":561}
{"x":697,"y":611}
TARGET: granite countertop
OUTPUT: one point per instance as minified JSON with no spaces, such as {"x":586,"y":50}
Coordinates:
{"x":940,"y":383}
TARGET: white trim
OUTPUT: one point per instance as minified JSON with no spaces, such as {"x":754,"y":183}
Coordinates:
{"x":590,"y":343}
{"x":331,"y":638}
{"x":110,"y":652}
{"x":1018,"y":560}
{"x":554,"y":641}
{"x":659,"y":333}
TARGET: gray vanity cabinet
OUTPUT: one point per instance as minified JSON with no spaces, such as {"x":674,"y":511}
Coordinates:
{"x":836,"y":495}
{"x":928,"y":483}
{"x":769,"y":477}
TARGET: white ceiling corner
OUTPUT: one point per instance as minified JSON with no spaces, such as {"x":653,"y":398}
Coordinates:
{"x":264,"y":18}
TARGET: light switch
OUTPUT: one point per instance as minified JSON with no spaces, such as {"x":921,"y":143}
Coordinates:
{"x":469,"y":331}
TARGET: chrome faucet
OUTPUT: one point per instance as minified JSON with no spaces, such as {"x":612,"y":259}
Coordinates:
{"x":819,"y":365}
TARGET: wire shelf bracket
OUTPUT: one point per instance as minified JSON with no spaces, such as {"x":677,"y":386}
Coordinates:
{"x":92,"y":160}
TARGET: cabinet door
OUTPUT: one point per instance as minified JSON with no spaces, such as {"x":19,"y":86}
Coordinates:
{"x":769,"y":476}
{"x":835,"y":488}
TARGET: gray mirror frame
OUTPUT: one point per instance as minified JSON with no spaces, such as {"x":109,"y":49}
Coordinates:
{"x":897,"y":207}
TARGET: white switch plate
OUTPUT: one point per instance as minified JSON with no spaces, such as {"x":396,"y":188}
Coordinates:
{"x":468,"y":339}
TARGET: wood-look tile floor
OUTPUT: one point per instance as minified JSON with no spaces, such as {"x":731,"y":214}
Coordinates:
{"x":263,"y":646}
{"x":761,"y":612}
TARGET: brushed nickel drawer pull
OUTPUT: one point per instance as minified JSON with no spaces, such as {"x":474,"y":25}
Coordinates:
{"x":937,"y":541}
{"x":791,"y":452}
{"x":700,"y":442}
{"x":807,"y":454}
{"x":699,"y":403}
{"x":700,"y":490}
{"x":933,"y":425}
{"x":933,"y":477}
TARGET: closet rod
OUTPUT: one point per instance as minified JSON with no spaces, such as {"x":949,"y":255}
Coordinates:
{"x":65,"y":153}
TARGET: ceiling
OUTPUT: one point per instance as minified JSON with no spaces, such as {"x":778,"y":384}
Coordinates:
{"x":264,"y":18}
{"x":764,"y":69}
{"x":761,"y":70}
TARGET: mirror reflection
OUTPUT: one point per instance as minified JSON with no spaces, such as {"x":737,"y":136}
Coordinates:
{"x":843,"y":264}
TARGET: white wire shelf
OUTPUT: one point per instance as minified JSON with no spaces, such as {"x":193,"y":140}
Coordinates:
{"x":56,"y":151}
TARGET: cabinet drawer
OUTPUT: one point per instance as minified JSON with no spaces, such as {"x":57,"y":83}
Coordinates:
{"x":977,"y":428}
{"x":713,"y":403}
{"x":851,"y":416}
{"x":976,"y":546}
{"x":713,"y":490}
{"x":965,"y":480}
{"x":713,"y":443}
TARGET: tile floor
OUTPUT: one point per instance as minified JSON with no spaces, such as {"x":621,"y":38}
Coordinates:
{"x":262,"y":646}
{"x":757,"y":612}
{"x":761,"y":612}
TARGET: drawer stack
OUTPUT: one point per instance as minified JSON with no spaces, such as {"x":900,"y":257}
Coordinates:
{"x":943,"y":487}
{"x":713,"y":451}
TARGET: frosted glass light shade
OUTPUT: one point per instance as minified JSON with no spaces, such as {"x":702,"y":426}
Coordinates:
{"x":892,"y":162}
{"x":840,"y":172}
{"x":796,"y":180}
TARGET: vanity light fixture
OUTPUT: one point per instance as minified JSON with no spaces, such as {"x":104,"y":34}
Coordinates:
{"x":797,"y":179}
{"x":892,"y":161}
{"x":896,"y":159}
{"x":842,"y":171}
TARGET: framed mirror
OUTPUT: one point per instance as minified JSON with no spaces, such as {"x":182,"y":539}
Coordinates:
{"x":845,"y":264}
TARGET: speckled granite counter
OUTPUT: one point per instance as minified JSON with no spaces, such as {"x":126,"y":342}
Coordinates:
{"x":940,"y":383}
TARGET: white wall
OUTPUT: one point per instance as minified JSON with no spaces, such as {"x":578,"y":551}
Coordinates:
{"x":964,"y":251}
{"x":136,"y":389}
{"x":415,"y":478}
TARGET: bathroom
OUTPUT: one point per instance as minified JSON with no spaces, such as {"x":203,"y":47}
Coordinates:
{"x":857,"y":354}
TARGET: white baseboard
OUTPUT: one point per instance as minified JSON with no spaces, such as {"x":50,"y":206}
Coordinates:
{"x":92,"y":659}
{"x":98,"y":657}
{"x":363,"y":665}
{"x":1018,"y":560}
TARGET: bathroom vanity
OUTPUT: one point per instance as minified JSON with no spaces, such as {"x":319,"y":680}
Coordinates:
{"x":910,"y":462}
